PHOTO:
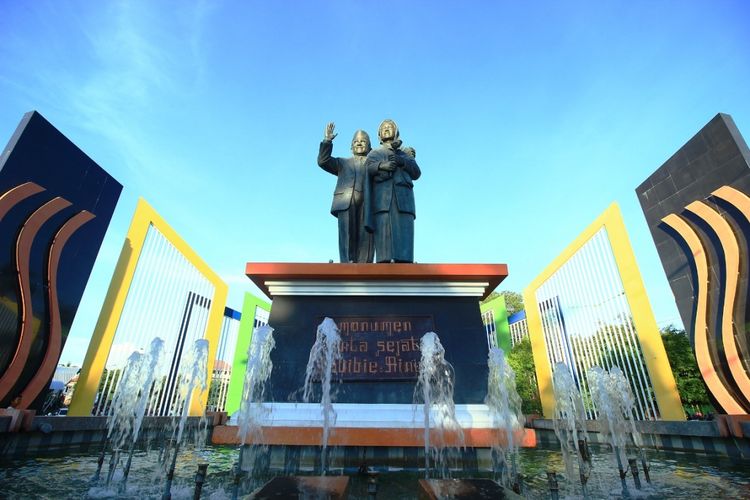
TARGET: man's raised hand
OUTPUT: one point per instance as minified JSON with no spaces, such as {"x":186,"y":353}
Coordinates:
{"x":330,"y":135}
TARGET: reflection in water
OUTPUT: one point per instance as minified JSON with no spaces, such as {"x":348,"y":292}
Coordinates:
{"x":674,"y":475}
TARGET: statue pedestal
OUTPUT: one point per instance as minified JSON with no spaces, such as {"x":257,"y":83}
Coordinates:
{"x":382,"y":311}
{"x":369,"y":425}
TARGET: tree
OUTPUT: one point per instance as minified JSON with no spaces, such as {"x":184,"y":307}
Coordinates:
{"x":690,"y":383}
{"x":521,"y":360}
{"x":513,"y":300}
{"x":492,"y":296}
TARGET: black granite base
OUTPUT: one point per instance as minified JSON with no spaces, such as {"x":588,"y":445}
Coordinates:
{"x":456,"y":320}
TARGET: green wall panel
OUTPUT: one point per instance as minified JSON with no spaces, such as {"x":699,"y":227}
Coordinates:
{"x":502,"y":329}
{"x":245,"y":334}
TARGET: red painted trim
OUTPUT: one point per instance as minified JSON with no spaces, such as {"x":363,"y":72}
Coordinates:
{"x":260,"y":272}
{"x":357,"y":436}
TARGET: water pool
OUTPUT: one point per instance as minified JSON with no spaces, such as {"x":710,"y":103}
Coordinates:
{"x":674,"y":475}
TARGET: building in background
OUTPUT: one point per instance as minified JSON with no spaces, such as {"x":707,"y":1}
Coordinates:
{"x":55,"y":206}
{"x":589,"y":308}
{"x":697,"y":205}
{"x":217,"y":393}
{"x":160,"y":288}
{"x":495,"y":320}
{"x":60,"y":389}
{"x":70,"y":388}
{"x":64,"y":374}
{"x":518,"y":327}
{"x":255,"y":313}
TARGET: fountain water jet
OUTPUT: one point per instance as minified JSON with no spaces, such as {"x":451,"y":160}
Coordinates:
{"x":194,"y":375}
{"x":251,"y":413}
{"x":504,"y":404}
{"x":608,"y":407}
{"x":615,"y":404}
{"x":628,"y":409}
{"x":128,"y":408}
{"x":121,"y":419}
{"x":570,"y":425}
{"x":435,"y":391}
{"x":148,"y":368}
{"x":325,"y":352}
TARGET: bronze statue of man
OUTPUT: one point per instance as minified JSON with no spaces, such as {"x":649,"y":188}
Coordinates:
{"x":390,"y":197}
{"x":355,"y":243}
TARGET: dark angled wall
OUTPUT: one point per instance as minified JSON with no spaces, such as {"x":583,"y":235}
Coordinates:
{"x":55,"y":206}
{"x":694,"y":226}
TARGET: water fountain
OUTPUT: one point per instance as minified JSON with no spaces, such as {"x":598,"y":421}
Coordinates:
{"x":434,"y":390}
{"x":613,"y":399}
{"x":610,"y":394}
{"x":504,"y":404}
{"x":137,"y":388}
{"x":128,"y":409}
{"x":121,"y":418}
{"x":325,"y":352}
{"x":252,"y":411}
{"x":148,"y":369}
{"x":570,"y":426}
{"x":628,"y":409}
{"x":193,"y":376}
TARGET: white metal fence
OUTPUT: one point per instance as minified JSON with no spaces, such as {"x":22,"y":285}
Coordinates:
{"x":168,"y":298}
{"x":587,"y":322}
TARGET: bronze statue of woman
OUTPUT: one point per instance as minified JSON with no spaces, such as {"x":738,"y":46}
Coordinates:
{"x":390,"y":198}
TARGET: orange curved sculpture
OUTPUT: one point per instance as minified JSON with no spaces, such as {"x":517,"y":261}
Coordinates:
{"x":702,"y":355}
{"x":23,"y":254}
{"x":731,"y":249}
{"x":54,"y":343}
{"x":15,"y":195}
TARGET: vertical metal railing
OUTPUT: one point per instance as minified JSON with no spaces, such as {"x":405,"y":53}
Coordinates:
{"x":165,"y":285}
{"x":587,"y":322}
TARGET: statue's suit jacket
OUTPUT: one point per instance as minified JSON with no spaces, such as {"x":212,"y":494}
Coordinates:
{"x":351,"y":176}
{"x":386,"y":185}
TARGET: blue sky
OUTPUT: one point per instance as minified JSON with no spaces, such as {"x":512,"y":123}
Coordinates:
{"x":528,"y":119}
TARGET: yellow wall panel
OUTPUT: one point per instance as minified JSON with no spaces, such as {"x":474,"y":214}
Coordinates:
{"x":649,"y":337}
{"x":101,"y":342}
